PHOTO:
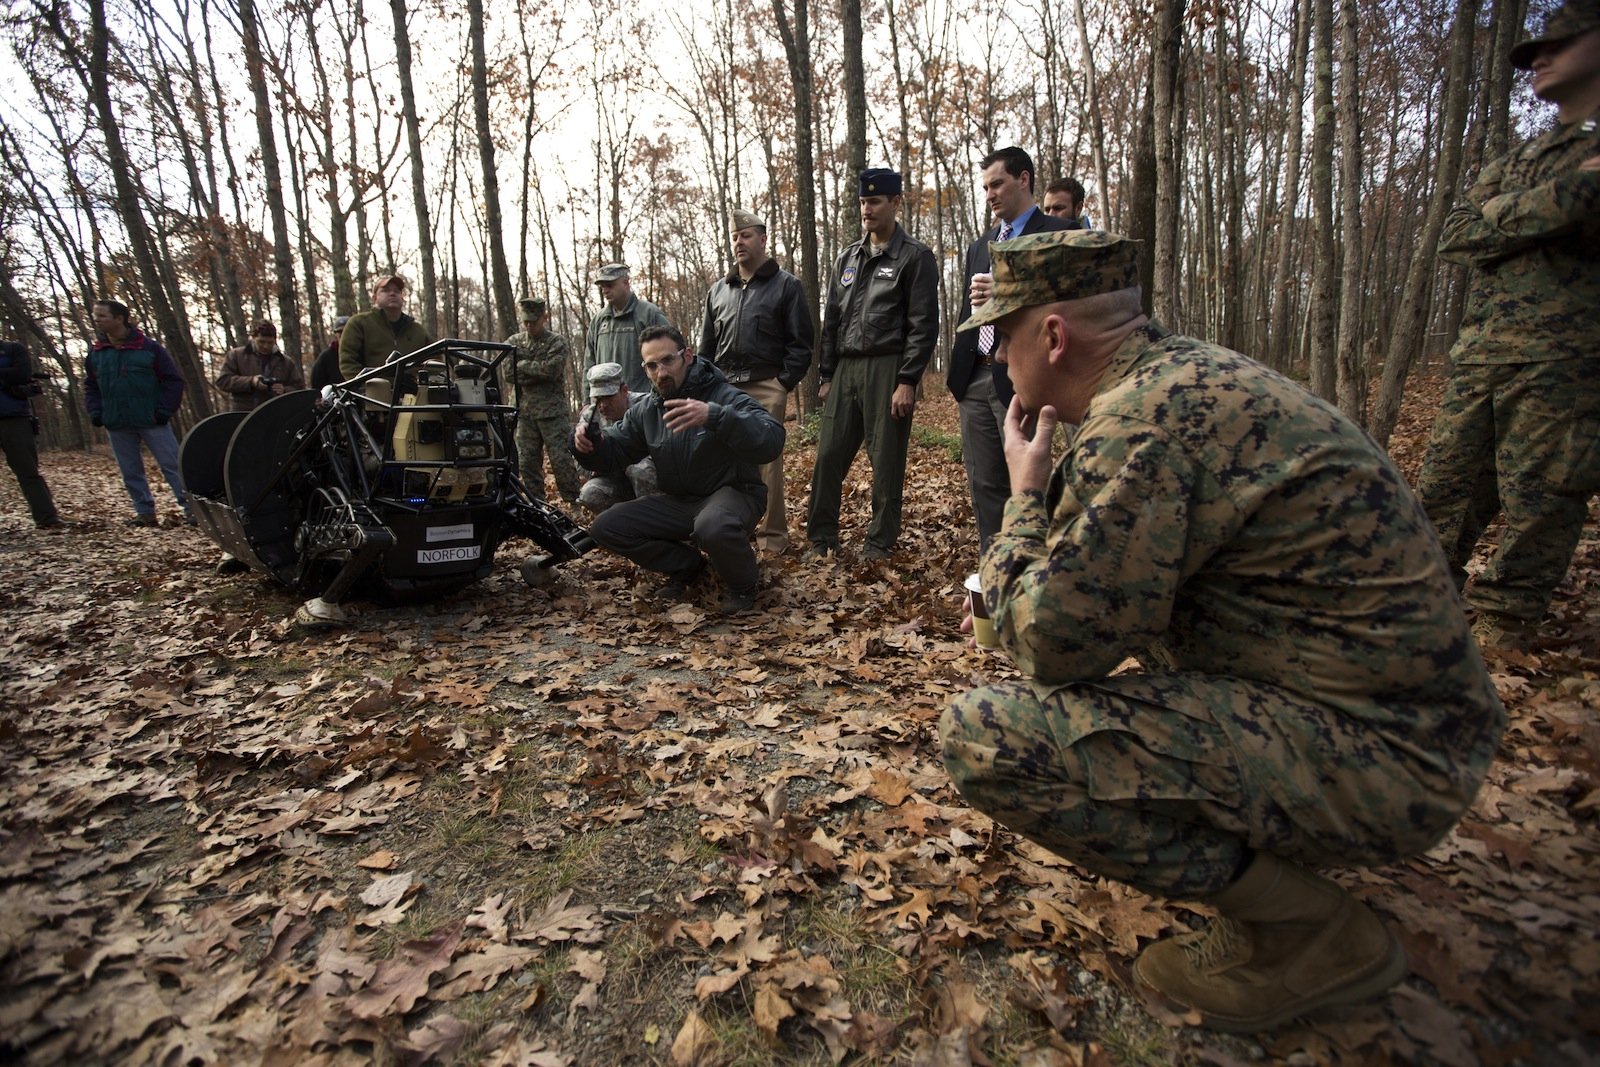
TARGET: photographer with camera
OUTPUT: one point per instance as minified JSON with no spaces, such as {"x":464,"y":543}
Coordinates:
{"x":17,"y":430}
{"x":254,"y":373}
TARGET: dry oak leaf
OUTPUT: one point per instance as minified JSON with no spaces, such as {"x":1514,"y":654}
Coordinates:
{"x":1045,"y":989}
{"x":437,"y":1037}
{"x":696,"y":1045}
{"x":588,"y":965}
{"x":490,"y":917}
{"x":381,"y":860}
{"x":919,"y":909}
{"x":474,"y":972}
{"x":399,"y":983}
{"x":1434,"y":1025}
{"x":713,"y":984}
{"x":388,"y":889}
{"x":959,"y":1006}
{"x":770,"y":1010}
{"x":420,"y":747}
{"x":591,"y":967}
{"x":889,"y":788}
{"x":559,"y":922}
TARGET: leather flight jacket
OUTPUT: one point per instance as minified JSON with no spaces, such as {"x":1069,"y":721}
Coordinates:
{"x":883,"y":303}
{"x":759,"y":329}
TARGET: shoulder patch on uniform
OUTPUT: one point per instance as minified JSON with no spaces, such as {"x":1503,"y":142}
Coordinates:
{"x":848,"y":276}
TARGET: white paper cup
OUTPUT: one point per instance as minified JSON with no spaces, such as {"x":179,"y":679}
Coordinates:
{"x":982,"y":625}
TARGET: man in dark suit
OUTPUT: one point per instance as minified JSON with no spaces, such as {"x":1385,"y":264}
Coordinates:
{"x":977,"y":382}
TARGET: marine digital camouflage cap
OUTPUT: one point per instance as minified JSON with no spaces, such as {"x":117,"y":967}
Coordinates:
{"x":1567,"y":21}
{"x":605,"y":379}
{"x":1043,"y":268}
{"x":532,"y":307}
{"x":611,"y":272}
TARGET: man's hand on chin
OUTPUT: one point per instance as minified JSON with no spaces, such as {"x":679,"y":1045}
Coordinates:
{"x":1027,"y":445}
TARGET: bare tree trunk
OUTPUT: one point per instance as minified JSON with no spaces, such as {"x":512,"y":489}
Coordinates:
{"x":282,"y":254}
{"x":1352,"y":372}
{"x":1097,"y":124}
{"x":221,"y":235}
{"x":139,"y":242}
{"x":1143,"y":200}
{"x":159,"y":83}
{"x":419,"y":187}
{"x":344,"y":292}
{"x":1233,"y":134}
{"x":1280,"y":338}
{"x":1324,"y":267}
{"x":796,"y":39}
{"x":302,"y":226}
{"x":855,"y":88}
{"x":1507,"y":28}
{"x":1406,"y":338}
{"x":504,"y":300}
{"x":1167,"y":57}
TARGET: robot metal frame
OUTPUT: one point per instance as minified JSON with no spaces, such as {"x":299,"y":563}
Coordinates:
{"x":397,"y":485}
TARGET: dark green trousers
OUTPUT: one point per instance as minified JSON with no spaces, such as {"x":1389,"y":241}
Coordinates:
{"x":857,"y":411}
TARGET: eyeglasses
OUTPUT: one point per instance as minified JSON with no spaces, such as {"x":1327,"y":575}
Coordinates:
{"x":664,"y":363}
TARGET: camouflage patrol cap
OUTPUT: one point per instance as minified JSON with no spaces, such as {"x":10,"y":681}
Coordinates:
{"x":532,"y":308}
{"x":1569,"y":20}
{"x":611,"y":272}
{"x":605,"y":379}
{"x":1043,"y":268}
{"x":745,"y":220}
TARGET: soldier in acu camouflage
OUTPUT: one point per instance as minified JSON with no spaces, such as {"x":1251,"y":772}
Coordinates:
{"x":1310,"y":694}
{"x":1519,"y":429}
{"x":544,"y":414}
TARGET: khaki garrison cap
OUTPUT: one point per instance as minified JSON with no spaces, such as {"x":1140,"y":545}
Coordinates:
{"x":1043,"y":268}
{"x":744,"y":220}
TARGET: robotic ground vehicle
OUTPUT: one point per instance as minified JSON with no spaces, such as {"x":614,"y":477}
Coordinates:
{"x":397,"y":485}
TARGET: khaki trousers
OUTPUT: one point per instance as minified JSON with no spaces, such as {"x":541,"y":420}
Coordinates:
{"x":772,"y":534}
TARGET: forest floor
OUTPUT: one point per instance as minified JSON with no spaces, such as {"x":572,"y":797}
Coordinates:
{"x":561,"y":827}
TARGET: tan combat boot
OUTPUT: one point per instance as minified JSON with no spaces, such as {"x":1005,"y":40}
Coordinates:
{"x":1503,"y":633}
{"x":1287,"y":942}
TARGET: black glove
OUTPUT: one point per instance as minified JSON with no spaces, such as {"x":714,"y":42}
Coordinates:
{"x":94,"y":420}
{"x":161,"y":418}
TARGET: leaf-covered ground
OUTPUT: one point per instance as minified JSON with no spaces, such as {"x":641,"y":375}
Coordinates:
{"x":564,"y":827}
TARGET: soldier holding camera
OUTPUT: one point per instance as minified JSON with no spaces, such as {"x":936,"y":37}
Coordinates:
{"x":17,"y":429}
{"x":254,"y":373}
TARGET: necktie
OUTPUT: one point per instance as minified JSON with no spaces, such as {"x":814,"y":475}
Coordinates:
{"x":986,"y":333}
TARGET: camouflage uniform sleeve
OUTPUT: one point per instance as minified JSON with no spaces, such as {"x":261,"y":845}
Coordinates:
{"x":1075,"y":591}
{"x":544,"y":364}
{"x":1490,"y":225}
